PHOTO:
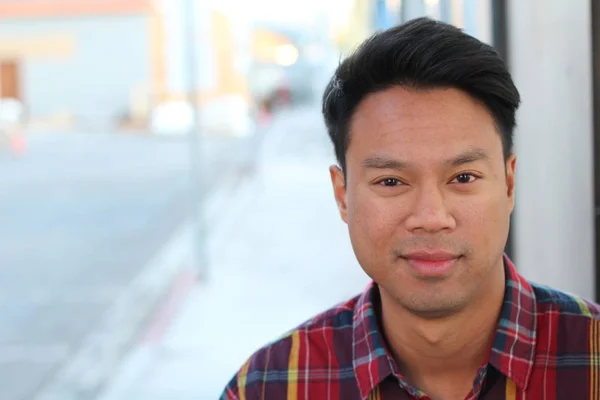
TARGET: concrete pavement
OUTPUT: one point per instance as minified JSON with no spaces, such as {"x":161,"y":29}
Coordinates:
{"x":281,"y":255}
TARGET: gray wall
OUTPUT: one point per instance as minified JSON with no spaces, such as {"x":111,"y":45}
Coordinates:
{"x":412,"y":9}
{"x":550,"y":58}
{"x":112,"y":56}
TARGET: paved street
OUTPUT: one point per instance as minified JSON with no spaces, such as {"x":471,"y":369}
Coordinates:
{"x":80,"y":215}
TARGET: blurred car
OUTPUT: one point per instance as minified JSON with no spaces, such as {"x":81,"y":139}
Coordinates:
{"x":269,"y":86}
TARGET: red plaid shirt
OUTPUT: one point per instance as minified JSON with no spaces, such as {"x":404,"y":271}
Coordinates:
{"x":546,"y":346}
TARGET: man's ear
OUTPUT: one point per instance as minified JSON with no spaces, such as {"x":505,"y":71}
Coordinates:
{"x":338,"y":180}
{"x":511,"y":166}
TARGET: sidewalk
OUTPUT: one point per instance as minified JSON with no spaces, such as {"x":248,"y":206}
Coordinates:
{"x":279,"y":256}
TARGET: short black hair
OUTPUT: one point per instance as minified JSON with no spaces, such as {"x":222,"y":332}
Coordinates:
{"x":421,"y":54}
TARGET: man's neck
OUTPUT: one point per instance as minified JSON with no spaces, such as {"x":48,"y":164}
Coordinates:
{"x":444,"y":349}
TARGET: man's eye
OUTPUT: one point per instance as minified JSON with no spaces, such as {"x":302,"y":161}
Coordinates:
{"x":390,"y":182}
{"x":465,"y":178}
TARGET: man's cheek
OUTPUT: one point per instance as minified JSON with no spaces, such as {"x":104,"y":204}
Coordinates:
{"x":480,"y":220}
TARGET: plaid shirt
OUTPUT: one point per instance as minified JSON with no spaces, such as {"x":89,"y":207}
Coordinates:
{"x":546,"y":346}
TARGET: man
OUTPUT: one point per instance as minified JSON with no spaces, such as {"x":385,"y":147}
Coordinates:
{"x":421,"y":117}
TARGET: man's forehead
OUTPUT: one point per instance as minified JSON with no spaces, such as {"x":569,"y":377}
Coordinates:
{"x":428,"y":127}
{"x":400,"y":106}
{"x":424,"y":137}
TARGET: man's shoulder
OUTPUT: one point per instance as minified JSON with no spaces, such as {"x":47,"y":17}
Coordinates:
{"x":311,"y":347}
{"x":551,"y":300}
{"x":333,"y":324}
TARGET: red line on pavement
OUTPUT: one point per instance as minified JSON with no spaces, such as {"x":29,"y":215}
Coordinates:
{"x":168,"y":310}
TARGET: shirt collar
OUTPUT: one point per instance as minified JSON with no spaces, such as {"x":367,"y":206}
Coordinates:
{"x":513,"y":349}
{"x":512,"y":352}
{"x":372,"y":360}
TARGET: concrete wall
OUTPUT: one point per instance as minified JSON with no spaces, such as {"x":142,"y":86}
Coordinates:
{"x":477,"y":18}
{"x":473,"y":16}
{"x":412,"y":9}
{"x":550,"y":58}
{"x":109,"y":58}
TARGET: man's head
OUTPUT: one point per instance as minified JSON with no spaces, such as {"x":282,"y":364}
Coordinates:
{"x":421,"y":117}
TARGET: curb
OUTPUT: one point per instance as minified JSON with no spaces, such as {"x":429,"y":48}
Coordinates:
{"x":144,"y":353}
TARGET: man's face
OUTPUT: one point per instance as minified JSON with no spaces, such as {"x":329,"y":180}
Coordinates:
{"x":427,"y":196}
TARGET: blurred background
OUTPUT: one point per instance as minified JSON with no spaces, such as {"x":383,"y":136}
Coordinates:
{"x":165,"y":206}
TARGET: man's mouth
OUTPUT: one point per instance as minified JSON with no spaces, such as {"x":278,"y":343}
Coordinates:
{"x":431,"y":263}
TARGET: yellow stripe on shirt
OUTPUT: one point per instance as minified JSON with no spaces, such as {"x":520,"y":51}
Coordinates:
{"x":585,"y":310}
{"x":594,"y":367}
{"x":242,"y":378}
{"x":511,"y":389}
{"x":292,"y":392}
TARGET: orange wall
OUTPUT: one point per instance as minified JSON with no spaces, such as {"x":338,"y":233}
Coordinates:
{"x":156,"y":38}
{"x":63,"y":8}
{"x":228,"y":80}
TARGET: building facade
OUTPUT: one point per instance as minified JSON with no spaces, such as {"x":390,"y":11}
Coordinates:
{"x":98,"y":63}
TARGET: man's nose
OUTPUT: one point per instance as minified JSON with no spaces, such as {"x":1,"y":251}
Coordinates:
{"x":429,"y":212}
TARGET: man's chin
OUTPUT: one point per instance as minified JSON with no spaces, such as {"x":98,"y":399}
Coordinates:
{"x":433,"y":300}
{"x":433,"y":311}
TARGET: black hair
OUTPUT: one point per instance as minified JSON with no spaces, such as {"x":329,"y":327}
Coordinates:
{"x":421,"y":54}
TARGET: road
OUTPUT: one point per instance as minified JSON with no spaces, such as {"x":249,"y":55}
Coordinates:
{"x":80,"y":215}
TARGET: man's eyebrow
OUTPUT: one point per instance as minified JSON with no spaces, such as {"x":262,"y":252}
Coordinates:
{"x":379,"y":161}
{"x":468,"y":157}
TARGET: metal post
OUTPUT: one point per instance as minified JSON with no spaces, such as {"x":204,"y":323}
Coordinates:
{"x":500,"y":41}
{"x":499,"y":28}
{"x":595,"y":17}
{"x":199,"y":259}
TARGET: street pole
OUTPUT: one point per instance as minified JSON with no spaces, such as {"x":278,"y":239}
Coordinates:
{"x":198,"y":256}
